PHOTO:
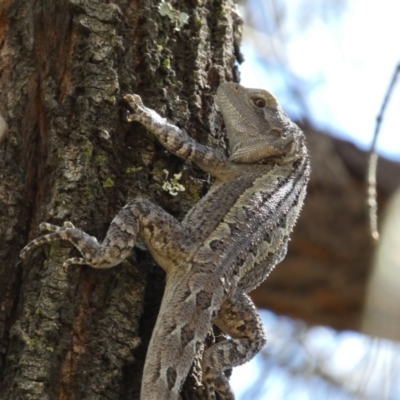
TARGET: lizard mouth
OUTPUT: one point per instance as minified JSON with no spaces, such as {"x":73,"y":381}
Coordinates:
{"x":252,"y":154}
{"x":250,"y":151}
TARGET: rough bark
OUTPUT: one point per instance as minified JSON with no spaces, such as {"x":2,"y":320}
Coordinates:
{"x":68,"y":155}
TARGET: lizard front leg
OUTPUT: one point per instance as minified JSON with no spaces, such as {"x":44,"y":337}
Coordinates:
{"x":162,"y":234}
{"x":176,"y":140}
{"x":239,"y":319}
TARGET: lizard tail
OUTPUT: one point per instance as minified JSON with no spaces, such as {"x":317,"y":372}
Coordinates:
{"x":183,"y":323}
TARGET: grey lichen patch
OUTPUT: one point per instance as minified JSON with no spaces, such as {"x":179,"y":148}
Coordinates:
{"x":172,"y":186}
{"x":74,"y":162}
{"x":101,"y":83}
{"x":103,"y":47}
{"x":102,"y":12}
{"x":179,"y":19}
{"x":108,"y":183}
{"x":94,"y":25}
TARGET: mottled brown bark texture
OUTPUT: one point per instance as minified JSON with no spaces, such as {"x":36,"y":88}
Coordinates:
{"x":69,"y":155}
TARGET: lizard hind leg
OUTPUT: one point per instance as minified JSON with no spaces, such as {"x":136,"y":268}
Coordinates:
{"x":48,"y":238}
{"x":239,"y":319}
{"x":87,"y":245}
{"x":162,"y":234}
{"x":115,"y":248}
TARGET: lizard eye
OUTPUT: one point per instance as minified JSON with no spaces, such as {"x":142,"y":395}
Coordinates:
{"x":259,"y":102}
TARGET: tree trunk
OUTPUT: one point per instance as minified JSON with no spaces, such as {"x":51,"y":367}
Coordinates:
{"x":69,"y":155}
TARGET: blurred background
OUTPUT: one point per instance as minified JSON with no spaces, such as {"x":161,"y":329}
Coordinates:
{"x":331,"y":310}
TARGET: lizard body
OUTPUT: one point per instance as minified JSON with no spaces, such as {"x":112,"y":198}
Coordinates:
{"x":224,"y":247}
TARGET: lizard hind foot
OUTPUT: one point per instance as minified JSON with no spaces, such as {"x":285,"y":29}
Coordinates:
{"x":218,"y":383}
{"x":38,"y":242}
{"x":56,"y":233}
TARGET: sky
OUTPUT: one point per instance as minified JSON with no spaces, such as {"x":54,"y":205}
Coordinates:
{"x":348,"y":63}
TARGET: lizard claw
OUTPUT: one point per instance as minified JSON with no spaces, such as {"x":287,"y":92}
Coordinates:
{"x":135,"y":103}
{"x":44,"y":226}
{"x":132,"y":100}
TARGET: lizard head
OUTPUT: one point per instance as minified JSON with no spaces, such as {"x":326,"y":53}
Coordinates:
{"x":257,"y":127}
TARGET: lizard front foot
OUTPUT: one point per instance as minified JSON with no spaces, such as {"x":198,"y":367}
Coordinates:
{"x":135,"y":103}
{"x":142,"y":114}
{"x":218,"y":383}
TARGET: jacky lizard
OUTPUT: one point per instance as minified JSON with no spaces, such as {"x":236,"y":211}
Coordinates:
{"x":225,"y":246}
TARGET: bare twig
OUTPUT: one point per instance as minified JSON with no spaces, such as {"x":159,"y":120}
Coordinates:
{"x":373,"y":161}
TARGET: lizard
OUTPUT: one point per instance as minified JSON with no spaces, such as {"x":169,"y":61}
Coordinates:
{"x":225,"y":246}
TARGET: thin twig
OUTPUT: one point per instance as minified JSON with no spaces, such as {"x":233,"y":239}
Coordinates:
{"x":373,"y":161}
